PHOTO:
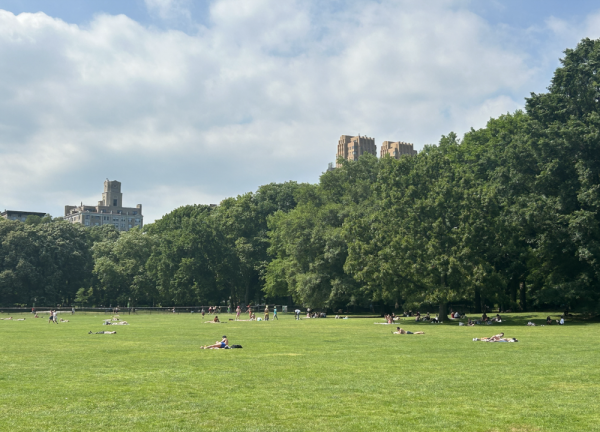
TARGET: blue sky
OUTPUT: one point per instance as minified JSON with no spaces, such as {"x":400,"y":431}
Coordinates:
{"x":517,"y":13}
{"x":193,"y":101}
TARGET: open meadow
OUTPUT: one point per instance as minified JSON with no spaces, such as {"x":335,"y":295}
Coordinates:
{"x":313,"y":374}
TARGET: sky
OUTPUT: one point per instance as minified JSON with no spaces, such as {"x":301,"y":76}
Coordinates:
{"x":190,"y":102}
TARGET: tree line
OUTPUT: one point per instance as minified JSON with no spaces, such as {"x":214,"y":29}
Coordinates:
{"x":507,"y":216}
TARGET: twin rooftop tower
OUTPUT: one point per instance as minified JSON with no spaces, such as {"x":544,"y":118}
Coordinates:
{"x":352,"y":147}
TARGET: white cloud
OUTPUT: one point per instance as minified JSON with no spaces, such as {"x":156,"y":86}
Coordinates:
{"x":260,"y":94}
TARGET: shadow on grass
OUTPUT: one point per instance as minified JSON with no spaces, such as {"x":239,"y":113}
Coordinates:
{"x":516,"y":320}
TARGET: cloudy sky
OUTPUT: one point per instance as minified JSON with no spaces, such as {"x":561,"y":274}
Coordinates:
{"x":189,"y":101}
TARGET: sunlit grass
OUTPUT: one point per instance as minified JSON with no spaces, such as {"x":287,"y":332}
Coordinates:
{"x":322,"y":374}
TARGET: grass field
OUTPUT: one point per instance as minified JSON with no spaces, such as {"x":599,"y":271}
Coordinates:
{"x":320,"y":374}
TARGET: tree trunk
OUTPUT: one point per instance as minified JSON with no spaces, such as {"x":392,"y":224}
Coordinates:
{"x":477,"y":300}
{"x":523,"y":292}
{"x":513,"y":291}
{"x":443,"y":305}
{"x":443,"y":312}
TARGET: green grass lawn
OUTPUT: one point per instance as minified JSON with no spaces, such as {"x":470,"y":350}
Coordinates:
{"x":319,"y":374}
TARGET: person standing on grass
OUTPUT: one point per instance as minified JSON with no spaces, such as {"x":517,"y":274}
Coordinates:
{"x":51,"y":317}
{"x":249,"y":312}
{"x":297,"y":314}
{"x":267,"y":313}
{"x":275,"y":313}
{"x":238,"y":310}
{"x":55,"y":320}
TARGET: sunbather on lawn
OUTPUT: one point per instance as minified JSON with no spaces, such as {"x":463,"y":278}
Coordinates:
{"x":218,"y":345}
{"x":496,"y":338}
{"x":402,"y":331}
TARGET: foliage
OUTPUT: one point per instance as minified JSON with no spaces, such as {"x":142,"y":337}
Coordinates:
{"x":508,"y":217}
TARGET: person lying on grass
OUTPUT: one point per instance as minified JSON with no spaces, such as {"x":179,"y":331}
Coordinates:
{"x":104,"y":332}
{"x":496,"y":338}
{"x":402,"y":331}
{"x":7,"y":319}
{"x":64,"y":320}
{"x":218,"y":345}
{"x":21,"y":319}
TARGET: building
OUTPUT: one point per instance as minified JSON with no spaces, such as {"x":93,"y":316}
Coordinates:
{"x":396,"y":149}
{"x":19,"y":215}
{"x":351,"y":148}
{"x":109,"y":211}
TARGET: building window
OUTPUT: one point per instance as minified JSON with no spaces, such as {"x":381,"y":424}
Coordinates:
{"x":115,"y":202}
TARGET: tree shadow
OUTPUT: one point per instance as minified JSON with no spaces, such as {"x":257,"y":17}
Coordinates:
{"x":517,"y":320}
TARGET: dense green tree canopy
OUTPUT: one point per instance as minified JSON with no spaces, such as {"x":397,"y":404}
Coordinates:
{"x":506,"y":216}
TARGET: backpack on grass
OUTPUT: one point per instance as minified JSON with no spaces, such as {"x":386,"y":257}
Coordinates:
{"x":235,"y":346}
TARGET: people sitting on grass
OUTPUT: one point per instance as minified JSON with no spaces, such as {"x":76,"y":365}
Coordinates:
{"x":484,"y":317}
{"x":215,"y":320}
{"x":223,"y":344}
{"x":561,"y":321}
{"x":531,"y":324}
{"x":104,"y":332}
{"x":427,"y":317}
{"x":497,"y":318}
{"x":548,"y":320}
{"x":402,"y":331}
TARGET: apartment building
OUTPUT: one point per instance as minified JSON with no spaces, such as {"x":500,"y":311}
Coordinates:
{"x":109,"y":211}
{"x":396,"y":149}
{"x":352,"y":147}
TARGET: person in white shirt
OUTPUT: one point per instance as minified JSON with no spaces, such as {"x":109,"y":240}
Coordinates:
{"x":297,"y":314}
